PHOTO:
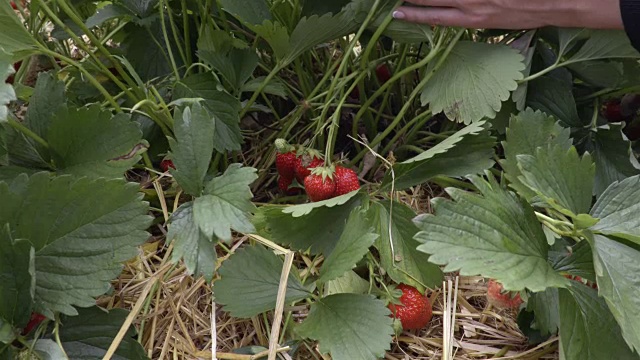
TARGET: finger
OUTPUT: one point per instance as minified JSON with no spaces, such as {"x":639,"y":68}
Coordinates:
{"x":435,"y":3}
{"x":442,"y":16}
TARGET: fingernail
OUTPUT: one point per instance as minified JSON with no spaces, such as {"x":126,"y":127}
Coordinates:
{"x":398,"y":15}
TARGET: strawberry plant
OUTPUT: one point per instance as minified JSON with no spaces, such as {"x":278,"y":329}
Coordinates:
{"x":164,"y":121}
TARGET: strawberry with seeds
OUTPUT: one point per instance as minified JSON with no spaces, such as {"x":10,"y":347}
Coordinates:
{"x":320,"y":184}
{"x":346,"y":180}
{"x":413,"y":308}
{"x":286,"y":159}
{"x":502,"y":299}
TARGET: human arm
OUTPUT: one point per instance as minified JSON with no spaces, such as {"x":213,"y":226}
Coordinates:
{"x":518,"y":14}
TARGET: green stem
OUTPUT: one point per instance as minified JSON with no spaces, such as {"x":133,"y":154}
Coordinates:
{"x":28,"y":132}
{"x":260,"y":89}
{"x":167,"y":42}
{"x":87,"y":74}
{"x":74,"y":17}
{"x":336,"y":115}
{"x":378,"y":139}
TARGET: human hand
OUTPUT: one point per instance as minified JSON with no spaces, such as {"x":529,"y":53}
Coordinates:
{"x":513,"y":14}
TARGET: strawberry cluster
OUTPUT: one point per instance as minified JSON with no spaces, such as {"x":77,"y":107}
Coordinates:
{"x":306,"y":167}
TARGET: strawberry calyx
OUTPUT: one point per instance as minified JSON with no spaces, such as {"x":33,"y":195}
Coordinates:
{"x":326,"y":172}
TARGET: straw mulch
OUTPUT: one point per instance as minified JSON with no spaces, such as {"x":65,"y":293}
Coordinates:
{"x":174,"y":315}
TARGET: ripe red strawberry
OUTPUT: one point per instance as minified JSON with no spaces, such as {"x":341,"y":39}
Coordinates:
{"x":346,"y":180}
{"x":286,"y":161}
{"x":14,"y":6}
{"x":35,"y":320}
{"x":383,"y":73}
{"x":284,"y":186}
{"x":415,"y":311}
{"x":166,"y":164}
{"x":305,"y":164}
{"x":612,"y":111}
{"x":500,"y":299}
{"x":320,"y":185}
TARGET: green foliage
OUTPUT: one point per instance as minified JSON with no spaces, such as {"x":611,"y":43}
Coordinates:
{"x":399,"y":256}
{"x":190,"y":244}
{"x":17,"y":271}
{"x":7,"y":94}
{"x":468,"y":151}
{"x":249,"y":282}
{"x":192,"y":149}
{"x":495,"y":235}
{"x":353,"y":244}
{"x":583,"y":317}
{"x":349,"y":326}
{"x":82,"y":230}
{"x":528,"y":131}
{"x":617,"y":268}
{"x":559,"y":177}
{"x":468,"y":96}
{"x":90,"y":334}
{"x":617,"y":210}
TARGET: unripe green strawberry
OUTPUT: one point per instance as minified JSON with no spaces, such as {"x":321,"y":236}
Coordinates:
{"x":415,"y":310}
{"x":501,"y":299}
{"x":319,"y":184}
{"x":346,"y":180}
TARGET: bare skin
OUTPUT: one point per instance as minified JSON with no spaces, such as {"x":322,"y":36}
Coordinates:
{"x":513,"y":14}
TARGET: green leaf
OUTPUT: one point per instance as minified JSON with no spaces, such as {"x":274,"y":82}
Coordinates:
{"x":318,"y":232}
{"x":274,"y":87}
{"x":14,"y":36}
{"x":354,"y":243}
{"x":491,"y":72}
{"x":613,"y":156}
{"x":313,"y":7}
{"x":578,"y":262}
{"x":192,"y":149}
{"x":226,"y":203}
{"x":217,"y":48}
{"x":306,"y":209}
{"x":618,"y":208}
{"x":495,"y":234}
{"x":249,"y":282}
{"x":277,"y":36}
{"x":405,"y":32}
{"x":587,"y":329}
{"x":315,"y":30}
{"x":4,"y":152}
{"x":528,"y":131}
{"x":554,"y":97}
{"x":468,"y":151}
{"x":90,"y":334}
{"x":82,"y":231}
{"x":605,"y":44}
{"x":190,"y":244}
{"x":349,"y":326}
{"x":149,"y":56}
{"x":348,"y":283}
{"x":404,"y":264}
{"x":106,"y":13}
{"x":545,"y":307}
{"x":618,"y":271}
{"x":603,"y":74}
{"x":7,"y":93}
{"x":251,"y":12}
{"x":223,"y":108}
{"x":48,"y":99}
{"x":17,"y":274}
{"x":93,"y":142}
{"x":560,"y":177}
{"x":48,"y":349}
